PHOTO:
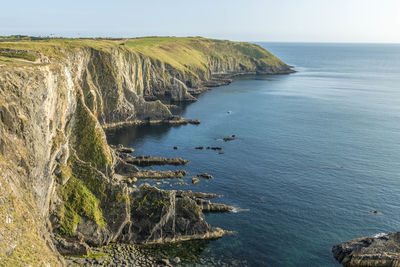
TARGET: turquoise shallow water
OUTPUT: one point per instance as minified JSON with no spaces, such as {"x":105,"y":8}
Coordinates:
{"x":315,"y":152}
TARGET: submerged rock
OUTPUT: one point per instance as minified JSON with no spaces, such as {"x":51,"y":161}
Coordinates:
{"x":214,"y":147}
{"x":230,"y":138}
{"x":205,"y":175}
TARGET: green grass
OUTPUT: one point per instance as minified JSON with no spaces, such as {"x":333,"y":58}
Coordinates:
{"x":79,"y":201}
{"x":26,"y":56}
{"x":187,"y":54}
{"x":89,"y":144}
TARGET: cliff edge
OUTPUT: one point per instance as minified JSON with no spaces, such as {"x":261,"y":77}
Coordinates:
{"x":61,"y":185}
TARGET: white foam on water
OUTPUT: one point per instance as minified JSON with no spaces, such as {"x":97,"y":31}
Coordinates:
{"x":379,"y":235}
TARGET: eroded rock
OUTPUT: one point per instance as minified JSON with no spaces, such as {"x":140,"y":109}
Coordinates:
{"x":158,"y":216}
{"x":160,"y":174}
{"x":149,"y":161}
{"x":380,"y":250}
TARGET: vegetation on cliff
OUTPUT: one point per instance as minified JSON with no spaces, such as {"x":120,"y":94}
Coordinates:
{"x":78,"y":201}
{"x":55,"y":96}
{"x":188,"y":54}
{"x":89,"y":141}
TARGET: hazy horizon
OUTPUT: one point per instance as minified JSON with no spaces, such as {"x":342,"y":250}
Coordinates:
{"x":309,"y":21}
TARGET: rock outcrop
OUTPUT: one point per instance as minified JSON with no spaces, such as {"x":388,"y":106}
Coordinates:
{"x":381,"y":250}
{"x":159,"y":216}
{"x":144,"y":161}
{"x":59,"y":179}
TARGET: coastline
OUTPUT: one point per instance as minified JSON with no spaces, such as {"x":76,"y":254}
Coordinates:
{"x":53,"y":114}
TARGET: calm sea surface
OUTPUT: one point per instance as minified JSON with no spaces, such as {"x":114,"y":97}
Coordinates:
{"x":315,"y":152}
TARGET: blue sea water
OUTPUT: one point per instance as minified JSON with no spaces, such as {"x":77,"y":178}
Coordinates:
{"x":315,"y":152}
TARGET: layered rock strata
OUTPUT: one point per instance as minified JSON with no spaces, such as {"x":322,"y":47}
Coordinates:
{"x":60,"y":180}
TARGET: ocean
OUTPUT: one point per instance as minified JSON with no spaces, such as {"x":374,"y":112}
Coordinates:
{"x":315,"y":152}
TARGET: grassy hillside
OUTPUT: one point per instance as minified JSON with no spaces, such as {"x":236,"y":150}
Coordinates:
{"x":183,"y":53}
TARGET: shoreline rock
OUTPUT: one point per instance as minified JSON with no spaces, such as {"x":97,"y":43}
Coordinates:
{"x":204,"y":175}
{"x":144,"y":161}
{"x":143,"y":174}
{"x":379,"y":250}
{"x":230,"y":138}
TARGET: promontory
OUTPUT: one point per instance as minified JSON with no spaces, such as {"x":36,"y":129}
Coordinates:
{"x":63,"y":188}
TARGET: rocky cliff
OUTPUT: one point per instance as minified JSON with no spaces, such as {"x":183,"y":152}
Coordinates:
{"x":61,"y":184}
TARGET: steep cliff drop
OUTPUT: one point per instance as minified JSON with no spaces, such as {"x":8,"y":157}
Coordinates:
{"x":61,"y":184}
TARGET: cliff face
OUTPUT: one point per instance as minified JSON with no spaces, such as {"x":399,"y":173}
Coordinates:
{"x":60,"y":182}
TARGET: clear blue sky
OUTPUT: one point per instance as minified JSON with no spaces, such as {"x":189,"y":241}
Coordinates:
{"x":247,"y":20}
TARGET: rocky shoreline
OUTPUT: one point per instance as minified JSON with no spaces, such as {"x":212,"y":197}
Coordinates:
{"x":123,"y":253}
{"x":115,"y":255}
{"x":64,"y":189}
{"x":381,"y":250}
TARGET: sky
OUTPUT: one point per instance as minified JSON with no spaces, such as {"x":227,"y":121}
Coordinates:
{"x":371,"y":21}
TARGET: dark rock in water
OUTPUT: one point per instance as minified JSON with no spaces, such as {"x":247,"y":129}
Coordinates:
{"x":191,"y":194}
{"x":214,"y":148}
{"x":208,"y":206}
{"x":379,"y":250}
{"x":160,"y":174}
{"x":373,"y":211}
{"x":149,"y":161}
{"x":195,"y":180}
{"x":196,"y":122}
{"x":175,"y":147}
{"x":181,"y":183}
{"x":205,"y":175}
{"x":199,"y":147}
{"x":230,"y":138}
{"x":176,"y":120}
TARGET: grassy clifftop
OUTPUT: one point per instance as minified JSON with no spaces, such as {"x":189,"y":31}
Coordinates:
{"x":183,"y":53}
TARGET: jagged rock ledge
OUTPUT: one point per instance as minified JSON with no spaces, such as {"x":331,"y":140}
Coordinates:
{"x":381,"y":250}
{"x":144,"y":161}
{"x":142,"y":174}
{"x":61,"y":183}
{"x":172,"y":122}
{"x":206,"y":205}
